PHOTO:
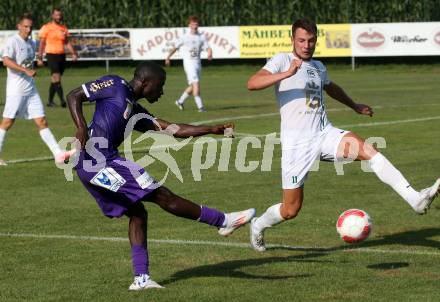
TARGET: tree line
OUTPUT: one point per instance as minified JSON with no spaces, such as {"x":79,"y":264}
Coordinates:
{"x":169,"y":13}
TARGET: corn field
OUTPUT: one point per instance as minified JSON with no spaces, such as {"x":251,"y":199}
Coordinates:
{"x":165,"y":13}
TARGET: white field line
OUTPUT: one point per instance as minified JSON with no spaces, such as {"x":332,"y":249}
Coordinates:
{"x":240,"y":117}
{"x":372,"y":124}
{"x":323,"y":250}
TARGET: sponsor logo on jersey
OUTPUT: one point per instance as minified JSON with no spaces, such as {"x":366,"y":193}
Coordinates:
{"x":109,"y":179}
{"x":95,"y":86}
{"x":145,"y":180}
{"x":311,"y":73}
{"x":294,"y":179}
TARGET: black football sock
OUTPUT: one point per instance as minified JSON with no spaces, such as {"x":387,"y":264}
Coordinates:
{"x":59,"y":91}
{"x":51,"y":92}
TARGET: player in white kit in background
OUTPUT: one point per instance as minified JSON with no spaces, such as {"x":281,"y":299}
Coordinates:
{"x":22,"y":98}
{"x":191,"y":45}
{"x":307,"y":134}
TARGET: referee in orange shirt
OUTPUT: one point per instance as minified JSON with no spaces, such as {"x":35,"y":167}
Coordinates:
{"x":53,"y":37}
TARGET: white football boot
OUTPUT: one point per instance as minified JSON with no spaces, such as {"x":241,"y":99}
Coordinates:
{"x":257,"y":238}
{"x":143,"y":282}
{"x":427,"y":197}
{"x":235,"y":220}
{"x":2,"y":162}
{"x":64,"y":156}
{"x":179,"y":105}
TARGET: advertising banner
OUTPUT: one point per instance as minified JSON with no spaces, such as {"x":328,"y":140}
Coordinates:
{"x":265,"y":41}
{"x":334,"y":40}
{"x":156,"y":43}
{"x":396,"y":39}
{"x":4,"y":35}
{"x":102,"y":44}
{"x":91,"y":44}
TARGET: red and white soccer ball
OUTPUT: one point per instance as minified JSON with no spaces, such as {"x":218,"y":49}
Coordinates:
{"x":354,"y":225}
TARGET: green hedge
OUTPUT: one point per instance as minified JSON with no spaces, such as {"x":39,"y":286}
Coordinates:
{"x":163,"y":13}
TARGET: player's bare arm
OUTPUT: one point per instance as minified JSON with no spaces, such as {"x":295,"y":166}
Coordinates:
{"x":75,"y":98}
{"x":40,"y":52}
{"x":263,"y":78}
{"x":167,"y":60}
{"x":10,"y":63}
{"x":209,"y":53}
{"x":336,"y":92}
{"x":185,"y":130}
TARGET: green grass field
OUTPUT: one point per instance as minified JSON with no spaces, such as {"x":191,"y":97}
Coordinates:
{"x":56,"y":246}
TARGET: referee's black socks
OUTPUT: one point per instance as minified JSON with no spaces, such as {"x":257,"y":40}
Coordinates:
{"x":56,"y":87}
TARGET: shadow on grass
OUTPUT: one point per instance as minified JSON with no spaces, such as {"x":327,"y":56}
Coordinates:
{"x":388,"y":265}
{"x":232,"y":269}
{"x":409,"y":238}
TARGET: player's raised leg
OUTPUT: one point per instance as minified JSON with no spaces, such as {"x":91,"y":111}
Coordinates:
{"x":227,"y":223}
{"x":49,"y":139}
{"x":354,"y":147}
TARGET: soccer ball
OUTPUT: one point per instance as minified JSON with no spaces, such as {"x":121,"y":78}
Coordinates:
{"x":354,"y":225}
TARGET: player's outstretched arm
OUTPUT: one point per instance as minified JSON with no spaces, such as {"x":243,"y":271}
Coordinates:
{"x":75,"y":98}
{"x":185,"y":130}
{"x":264,"y":78}
{"x":336,"y":92}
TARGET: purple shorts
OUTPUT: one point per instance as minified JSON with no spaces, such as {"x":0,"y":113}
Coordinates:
{"x":116,"y":185}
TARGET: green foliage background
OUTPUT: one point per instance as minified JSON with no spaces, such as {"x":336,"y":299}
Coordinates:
{"x":164,"y":13}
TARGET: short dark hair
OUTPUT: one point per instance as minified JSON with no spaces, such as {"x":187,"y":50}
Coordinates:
{"x":305,"y":24}
{"x":27,"y":16}
{"x":193,"y":19}
{"x":147,"y":70}
{"x":56,"y":9}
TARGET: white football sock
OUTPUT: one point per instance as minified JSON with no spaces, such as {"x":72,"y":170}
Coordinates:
{"x":270,"y":218}
{"x":183,"y":97}
{"x":388,"y":174}
{"x":49,"y":139}
{"x":2,"y":138}
{"x":199,"y":102}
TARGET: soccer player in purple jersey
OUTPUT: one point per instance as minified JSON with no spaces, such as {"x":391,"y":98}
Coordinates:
{"x":119,"y":185}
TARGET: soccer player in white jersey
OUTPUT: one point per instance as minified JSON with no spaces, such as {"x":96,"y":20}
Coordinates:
{"x":191,"y":45}
{"x":22,"y":98}
{"x":306,"y":133}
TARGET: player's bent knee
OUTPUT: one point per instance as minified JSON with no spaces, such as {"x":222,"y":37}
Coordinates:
{"x":7,"y":123}
{"x":290,"y":212}
{"x":367,"y":152}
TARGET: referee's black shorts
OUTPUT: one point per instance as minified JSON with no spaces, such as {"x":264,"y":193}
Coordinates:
{"x":56,"y":62}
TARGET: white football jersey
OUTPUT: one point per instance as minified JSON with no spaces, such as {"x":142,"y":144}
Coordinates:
{"x":191,"y":46}
{"x":300,"y":99}
{"x":23,"y":53}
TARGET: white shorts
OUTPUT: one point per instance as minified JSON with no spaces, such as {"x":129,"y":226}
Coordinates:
{"x":23,"y":106}
{"x":297,"y":162}
{"x":193,"y":71}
